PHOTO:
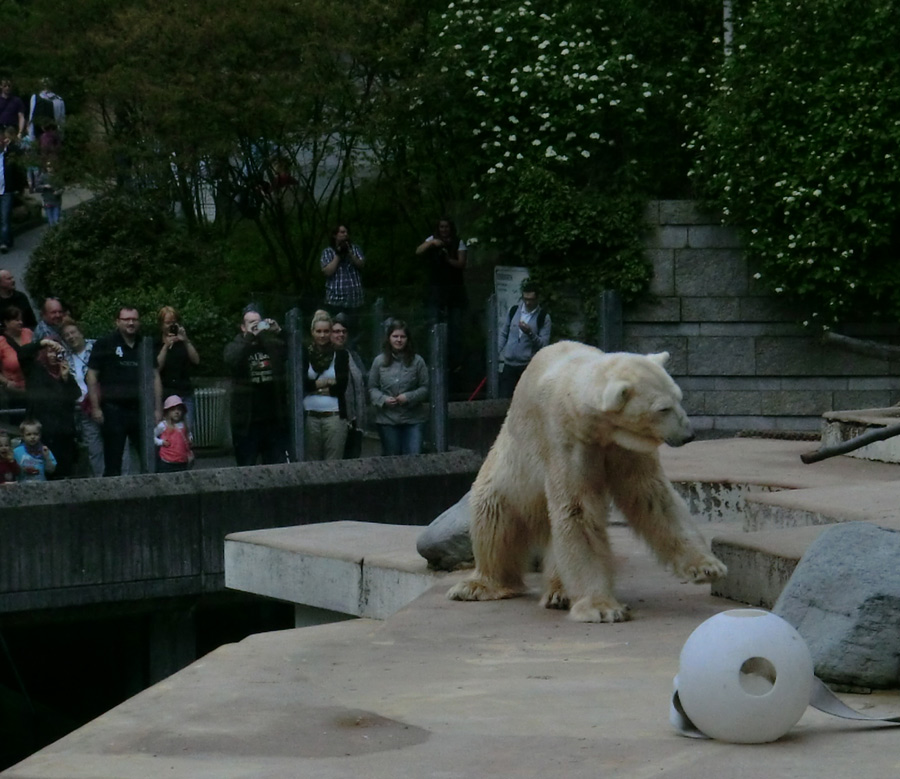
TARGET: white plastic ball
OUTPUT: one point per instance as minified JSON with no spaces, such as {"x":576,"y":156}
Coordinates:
{"x":745,"y":676}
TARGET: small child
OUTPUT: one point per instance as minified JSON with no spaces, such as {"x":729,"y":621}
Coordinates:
{"x":173,"y":438}
{"x":34,"y":459}
{"x":50,"y":187}
{"x":9,"y":468}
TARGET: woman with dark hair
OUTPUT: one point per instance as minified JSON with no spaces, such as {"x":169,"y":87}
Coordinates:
{"x":446,"y":301}
{"x":398,"y":388}
{"x":11,"y":376}
{"x":325,"y":376}
{"x":341,"y":263}
{"x":51,"y":392}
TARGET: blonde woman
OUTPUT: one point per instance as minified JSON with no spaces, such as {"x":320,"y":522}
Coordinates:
{"x":325,"y":376}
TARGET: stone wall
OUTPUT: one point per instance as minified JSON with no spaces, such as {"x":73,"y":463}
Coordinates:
{"x":738,"y":353}
{"x":100,"y":541}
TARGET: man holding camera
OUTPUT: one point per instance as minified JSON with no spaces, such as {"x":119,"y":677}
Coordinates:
{"x":341,"y":263}
{"x":256,"y":360}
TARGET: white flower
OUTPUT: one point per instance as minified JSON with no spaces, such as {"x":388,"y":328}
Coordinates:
{"x":536,"y":142}
{"x":585,"y":153}
{"x":512,"y":138}
{"x":594,"y":136}
{"x":551,"y":152}
{"x":579,"y":107}
{"x":513,"y":120}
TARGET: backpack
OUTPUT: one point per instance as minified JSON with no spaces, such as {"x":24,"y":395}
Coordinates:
{"x":43,"y":112}
{"x":541,"y":317}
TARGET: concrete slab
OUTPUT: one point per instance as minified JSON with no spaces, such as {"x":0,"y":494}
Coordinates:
{"x":448,"y":689}
{"x":356,"y":568}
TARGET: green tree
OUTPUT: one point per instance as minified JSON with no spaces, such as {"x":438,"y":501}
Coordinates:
{"x":569,"y":115}
{"x":798,"y":146}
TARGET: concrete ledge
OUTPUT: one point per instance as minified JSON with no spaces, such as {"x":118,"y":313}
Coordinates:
{"x":356,"y":568}
{"x":111,"y":540}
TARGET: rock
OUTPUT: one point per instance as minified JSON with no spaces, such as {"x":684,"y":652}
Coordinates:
{"x":844,"y":599}
{"x":445,"y":543}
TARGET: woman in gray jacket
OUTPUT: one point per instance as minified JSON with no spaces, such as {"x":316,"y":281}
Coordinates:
{"x":398,"y":388}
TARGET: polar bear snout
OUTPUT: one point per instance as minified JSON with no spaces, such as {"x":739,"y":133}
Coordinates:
{"x":681,"y":438}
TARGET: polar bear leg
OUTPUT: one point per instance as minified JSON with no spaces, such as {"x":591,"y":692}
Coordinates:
{"x":659,"y":515}
{"x":501,"y":545}
{"x":554,"y":596}
{"x":581,"y":553}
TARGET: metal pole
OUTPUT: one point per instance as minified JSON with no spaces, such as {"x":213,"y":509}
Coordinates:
{"x":610,"y":331}
{"x":295,"y":383}
{"x":376,"y":331}
{"x":437,"y":367}
{"x":493,"y":359}
{"x":147,"y":405}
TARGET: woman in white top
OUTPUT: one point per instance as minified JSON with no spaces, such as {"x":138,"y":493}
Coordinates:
{"x":325,"y":375}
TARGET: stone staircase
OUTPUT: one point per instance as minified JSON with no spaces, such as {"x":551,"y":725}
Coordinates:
{"x":757,"y":503}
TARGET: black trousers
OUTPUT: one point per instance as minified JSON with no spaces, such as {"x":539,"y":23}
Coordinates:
{"x":119,"y":424}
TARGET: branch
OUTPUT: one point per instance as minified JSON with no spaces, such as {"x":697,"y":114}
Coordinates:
{"x":869,"y":437}
{"x":859,"y":346}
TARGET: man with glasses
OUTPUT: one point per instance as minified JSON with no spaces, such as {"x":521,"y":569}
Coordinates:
{"x":114,"y":388}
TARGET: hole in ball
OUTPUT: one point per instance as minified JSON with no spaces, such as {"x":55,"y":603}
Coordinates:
{"x":757,"y":676}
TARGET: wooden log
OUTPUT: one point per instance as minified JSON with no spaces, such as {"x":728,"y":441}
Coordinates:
{"x":869,"y":437}
{"x":859,"y":346}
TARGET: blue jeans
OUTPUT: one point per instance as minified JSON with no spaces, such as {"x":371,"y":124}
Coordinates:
{"x":401,"y":439}
{"x":6,"y":204}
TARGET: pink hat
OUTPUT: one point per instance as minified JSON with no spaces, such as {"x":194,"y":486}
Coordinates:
{"x":172,"y":401}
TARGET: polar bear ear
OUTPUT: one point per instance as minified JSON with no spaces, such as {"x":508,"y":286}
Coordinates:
{"x":615,"y":396}
{"x":660,"y":359}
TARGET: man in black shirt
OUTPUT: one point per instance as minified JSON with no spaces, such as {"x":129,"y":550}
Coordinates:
{"x":114,"y":387}
{"x":10,"y":296}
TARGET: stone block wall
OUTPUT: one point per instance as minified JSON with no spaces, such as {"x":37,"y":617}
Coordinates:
{"x":738,"y":353}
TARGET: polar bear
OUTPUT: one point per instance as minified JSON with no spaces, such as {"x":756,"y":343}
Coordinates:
{"x":583,"y":429}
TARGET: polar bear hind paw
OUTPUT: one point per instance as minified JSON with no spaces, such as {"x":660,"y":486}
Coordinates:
{"x":703,"y":570}
{"x":481,"y":589}
{"x":599,"y":610}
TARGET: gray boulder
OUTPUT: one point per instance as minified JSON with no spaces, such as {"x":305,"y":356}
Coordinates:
{"x":445,"y":543}
{"x":844,"y":599}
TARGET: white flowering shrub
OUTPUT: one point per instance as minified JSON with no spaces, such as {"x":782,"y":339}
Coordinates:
{"x":571,"y":110}
{"x":800,"y":146}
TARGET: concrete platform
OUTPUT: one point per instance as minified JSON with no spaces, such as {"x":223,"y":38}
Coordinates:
{"x":462,"y":690}
{"x":447,"y":689}
{"x":354,"y":568}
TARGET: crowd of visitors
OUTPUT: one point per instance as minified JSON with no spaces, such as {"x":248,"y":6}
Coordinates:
{"x":75,"y":394}
{"x":30,"y":144}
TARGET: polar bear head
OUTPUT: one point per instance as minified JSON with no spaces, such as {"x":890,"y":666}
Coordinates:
{"x":640,"y":403}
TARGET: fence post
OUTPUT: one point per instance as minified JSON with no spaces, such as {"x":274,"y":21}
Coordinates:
{"x":493,"y":358}
{"x":294,"y":369}
{"x":437,"y":367}
{"x":377,"y":331}
{"x":610,"y":330}
{"x":147,"y":405}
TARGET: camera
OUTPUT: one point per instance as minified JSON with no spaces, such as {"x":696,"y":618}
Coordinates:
{"x":173,"y":329}
{"x":262,"y":325}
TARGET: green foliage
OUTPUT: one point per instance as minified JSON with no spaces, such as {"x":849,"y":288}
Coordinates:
{"x":208,"y":329}
{"x":571,"y":111}
{"x":799,"y":148}
{"x":121,"y":250}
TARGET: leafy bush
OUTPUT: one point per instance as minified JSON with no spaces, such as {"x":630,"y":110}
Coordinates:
{"x":572,"y":111}
{"x":799,"y":147}
{"x":118,"y":250}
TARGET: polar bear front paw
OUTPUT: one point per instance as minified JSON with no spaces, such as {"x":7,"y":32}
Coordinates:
{"x":555,"y":599}
{"x":703,"y":569}
{"x":599,"y":609}
{"x":482,"y":589}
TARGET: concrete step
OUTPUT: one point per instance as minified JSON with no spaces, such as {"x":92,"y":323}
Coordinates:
{"x":358,"y":568}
